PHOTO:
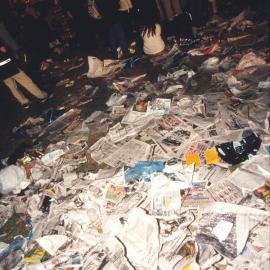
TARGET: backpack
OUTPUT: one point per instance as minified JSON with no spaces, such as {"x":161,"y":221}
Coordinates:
{"x":93,"y":10}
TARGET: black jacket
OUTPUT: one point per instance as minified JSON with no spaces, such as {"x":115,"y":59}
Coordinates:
{"x":109,"y":10}
{"x":7,"y":66}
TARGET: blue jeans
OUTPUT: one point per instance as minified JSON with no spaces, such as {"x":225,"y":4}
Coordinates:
{"x":116,"y":38}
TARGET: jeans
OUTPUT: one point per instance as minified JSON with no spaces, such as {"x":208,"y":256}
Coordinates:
{"x":116,"y":38}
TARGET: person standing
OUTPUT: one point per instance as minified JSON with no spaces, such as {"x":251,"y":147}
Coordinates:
{"x":10,"y":74}
{"x":126,"y":15}
{"x":109,"y":10}
{"x":172,"y":8}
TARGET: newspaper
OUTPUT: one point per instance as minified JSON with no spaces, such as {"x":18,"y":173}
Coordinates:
{"x":101,"y":149}
{"x":124,"y":156}
{"x":118,"y":132}
{"x":211,"y":174}
{"x":170,"y":121}
{"x":118,"y":110}
{"x":174,"y":139}
{"x":129,"y":202}
{"x":51,"y":243}
{"x":159,"y":106}
{"x":256,"y":254}
{"x":201,"y":122}
{"x":95,"y":257}
{"x":239,"y":178}
{"x":172,"y":229}
{"x":165,"y":196}
{"x":114,"y":193}
{"x":75,"y":262}
{"x":195,"y":197}
{"x":169,"y":137}
{"x":133,"y":116}
{"x":226,"y":226}
{"x":225,"y":191}
{"x":179,"y":253}
{"x":141,"y":239}
{"x":117,"y":259}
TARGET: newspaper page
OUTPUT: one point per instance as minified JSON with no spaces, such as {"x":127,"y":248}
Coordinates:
{"x":174,"y":139}
{"x":178,"y":253}
{"x":211,"y":174}
{"x":101,"y":149}
{"x":169,"y":121}
{"x":141,"y":239}
{"x":165,"y":196}
{"x":132,"y":116}
{"x":116,"y":256}
{"x":114,"y":193}
{"x":225,"y":191}
{"x":118,"y":132}
{"x":129,"y":154}
{"x":129,"y":202}
{"x":239,"y":178}
{"x":256,"y":254}
{"x":159,"y":106}
{"x":202,"y":122}
{"x":226,"y":226}
{"x":195,"y":197}
{"x":95,"y":258}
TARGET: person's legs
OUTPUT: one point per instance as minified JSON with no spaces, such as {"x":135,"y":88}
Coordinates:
{"x":29,"y":85}
{"x":121,"y":38}
{"x":168,"y":9}
{"x":12,"y":85}
{"x":176,"y":7}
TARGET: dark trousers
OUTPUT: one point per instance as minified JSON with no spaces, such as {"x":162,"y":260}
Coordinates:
{"x":116,"y":38}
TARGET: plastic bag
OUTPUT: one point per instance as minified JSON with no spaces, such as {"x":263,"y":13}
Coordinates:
{"x":143,"y":170}
{"x":11,"y":178}
{"x":95,"y":67}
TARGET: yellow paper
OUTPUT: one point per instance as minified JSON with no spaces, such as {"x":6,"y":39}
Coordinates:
{"x":187,"y":267}
{"x":211,"y":156}
{"x":193,"y":158}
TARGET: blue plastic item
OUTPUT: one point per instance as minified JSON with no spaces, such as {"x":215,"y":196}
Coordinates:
{"x":143,"y":170}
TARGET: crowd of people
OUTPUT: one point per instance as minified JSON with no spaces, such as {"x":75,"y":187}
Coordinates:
{"x":35,"y":29}
{"x":38,"y":26}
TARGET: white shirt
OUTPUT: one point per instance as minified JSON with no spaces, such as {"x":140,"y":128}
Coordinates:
{"x":153,"y":44}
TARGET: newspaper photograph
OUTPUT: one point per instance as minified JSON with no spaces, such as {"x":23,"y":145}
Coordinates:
{"x":159,"y":106}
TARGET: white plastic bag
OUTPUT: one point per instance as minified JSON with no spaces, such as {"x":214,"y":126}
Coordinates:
{"x":95,"y":67}
{"x":11,"y":178}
